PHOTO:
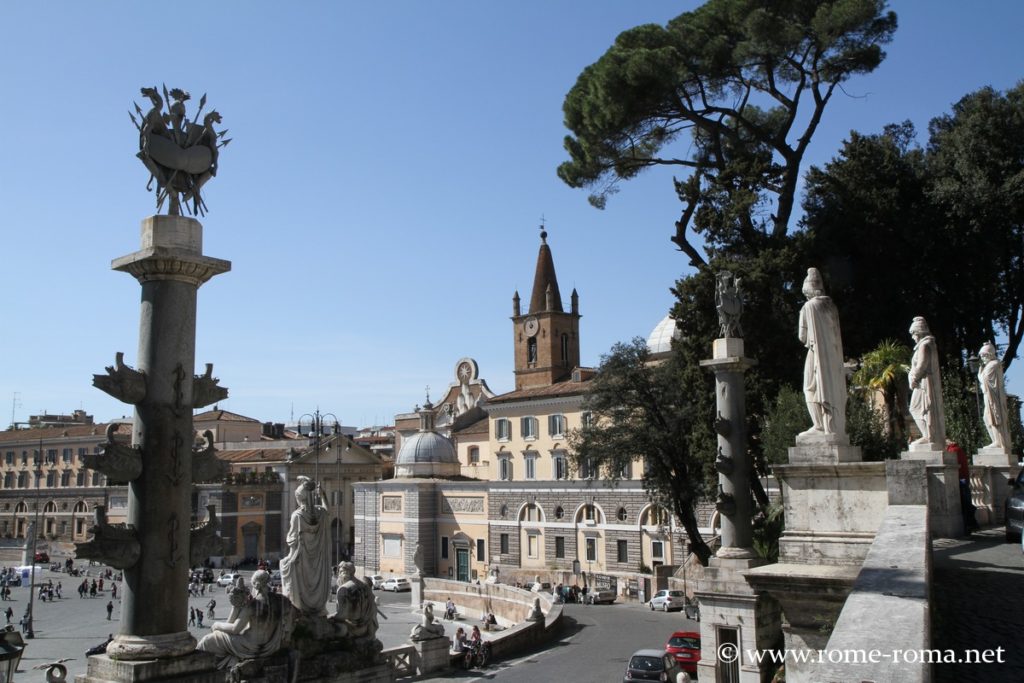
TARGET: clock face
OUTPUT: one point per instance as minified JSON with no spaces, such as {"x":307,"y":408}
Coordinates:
{"x":531,"y":326}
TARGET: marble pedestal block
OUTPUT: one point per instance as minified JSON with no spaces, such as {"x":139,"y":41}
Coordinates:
{"x":432,"y":655}
{"x":990,"y":487}
{"x":416,"y":594}
{"x":728,"y":602}
{"x":198,"y":667}
{"x":994,"y":457}
{"x":945,"y":517}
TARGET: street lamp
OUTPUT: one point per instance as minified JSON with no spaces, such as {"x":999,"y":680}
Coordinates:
{"x":12,"y":647}
{"x":37,"y":472}
{"x":316,"y":431}
{"x":338,"y":502}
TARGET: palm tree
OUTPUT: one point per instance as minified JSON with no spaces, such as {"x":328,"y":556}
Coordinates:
{"x":885,"y":369}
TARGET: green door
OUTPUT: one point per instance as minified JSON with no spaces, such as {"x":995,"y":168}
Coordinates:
{"x":462,"y":564}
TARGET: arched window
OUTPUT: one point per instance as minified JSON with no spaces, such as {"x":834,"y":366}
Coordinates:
{"x":474,"y":455}
{"x":565,"y":349}
{"x":531,"y":351}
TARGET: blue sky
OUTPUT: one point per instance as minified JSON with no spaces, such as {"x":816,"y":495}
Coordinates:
{"x":380,"y":201}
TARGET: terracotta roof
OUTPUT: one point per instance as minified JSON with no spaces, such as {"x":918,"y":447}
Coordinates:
{"x":567,"y":388}
{"x":255,"y":455}
{"x":478,"y":427}
{"x":27,"y":435}
{"x":222,"y":416}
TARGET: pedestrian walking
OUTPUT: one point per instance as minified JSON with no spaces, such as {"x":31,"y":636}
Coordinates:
{"x":9,"y":613}
{"x":199,"y":617}
{"x":110,"y":609}
{"x":210,"y":605}
{"x":113,"y":591}
{"x":191,"y":616}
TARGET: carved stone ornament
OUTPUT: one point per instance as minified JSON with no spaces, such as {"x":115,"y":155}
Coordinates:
{"x":205,"y":389}
{"x":206,"y":466}
{"x":118,"y":462}
{"x":122,"y":382}
{"x":205,"y":539}
{"x":729,"y":302}
{"x":116,"y":545}
{"x":391,"y":504}
{"x":181,"y":155}
{"x":462,"y":504}
{"x":726,"y":504}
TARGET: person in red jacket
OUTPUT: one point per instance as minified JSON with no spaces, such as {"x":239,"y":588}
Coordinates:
{"x":964,"y":475}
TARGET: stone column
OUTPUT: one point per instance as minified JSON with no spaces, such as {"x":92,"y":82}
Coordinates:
{"x":170,"y":267}
{"x":730,"y":608}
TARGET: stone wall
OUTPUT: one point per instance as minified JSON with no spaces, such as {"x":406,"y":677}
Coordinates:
{"x":888,"y":607}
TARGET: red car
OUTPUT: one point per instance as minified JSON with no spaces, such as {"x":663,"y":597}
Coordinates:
{"x":685,"y":647}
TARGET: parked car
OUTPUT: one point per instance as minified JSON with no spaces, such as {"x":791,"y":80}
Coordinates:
{"x":227,"y":579}
{"x":685,"y":647}
{"x":651,"y":665}
{"x":398,"y":585}
{"x":600,"y":596}
{"x":376,"y":580}
{"x":666,"y":600}
{"x":1015,"y":508}
{"x":42,"y":557}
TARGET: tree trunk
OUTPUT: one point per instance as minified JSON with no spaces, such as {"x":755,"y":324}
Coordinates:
{"x":697,"y":545}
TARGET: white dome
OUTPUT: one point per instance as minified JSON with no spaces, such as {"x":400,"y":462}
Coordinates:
{"x":425,"y":454}
{"x":660,"y":340}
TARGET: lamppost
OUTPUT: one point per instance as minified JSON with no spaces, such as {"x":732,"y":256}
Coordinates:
{"x":37,"y":472}
{"x":338,"y":500}
{"x":973,"y":362}
{"x":316,"y":432}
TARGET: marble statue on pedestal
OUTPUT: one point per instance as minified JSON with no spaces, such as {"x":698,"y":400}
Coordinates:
{"x":417,"y":560}
{"x":256,"y":628}
{"x":824,"y":376}
{"x":926,"y":388}
{"x":357,"y":607}
{"x":427,"y":628}
{"x":990,"y":377}
{"x":306,"y":571}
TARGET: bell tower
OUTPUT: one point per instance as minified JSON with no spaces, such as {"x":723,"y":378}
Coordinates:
{"x":546,"y":339}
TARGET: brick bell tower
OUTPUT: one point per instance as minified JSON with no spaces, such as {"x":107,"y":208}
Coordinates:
{"x":546,"y":339}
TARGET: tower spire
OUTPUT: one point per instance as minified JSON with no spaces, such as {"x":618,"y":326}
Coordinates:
{"x":544,"y":279}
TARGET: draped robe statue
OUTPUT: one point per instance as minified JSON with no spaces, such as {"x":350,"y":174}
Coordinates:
{"x":306,"y":571}
{"x":256,"y":628}
{"x":824,"y":376}
{"x":926,"y":388}
{"x":990,"y":377}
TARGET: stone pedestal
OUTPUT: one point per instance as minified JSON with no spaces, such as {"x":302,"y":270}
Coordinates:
{"x":416,"y":594}
{"x":990,"y":487}
{"x":728,"y":602}
{"x":945,"y":517}
{"x":432,"y":655}
{"x":994,"y":457}
{"x":197,"y":667}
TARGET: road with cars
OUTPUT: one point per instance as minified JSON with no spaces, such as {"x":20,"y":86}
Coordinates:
{"x":595,"y":645}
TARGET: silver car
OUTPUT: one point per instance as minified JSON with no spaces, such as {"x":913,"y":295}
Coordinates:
{"x":667,"y":600}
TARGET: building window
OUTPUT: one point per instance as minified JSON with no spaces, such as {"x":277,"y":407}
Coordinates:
{"x":24,"y":458}
{"x":65,"y":454}
{"x":503,"y":429}
{"x":531,"y":513}
{"x":531,"y":545}
{"x":623,"y":551}
{"x":560,"y":547}
{"x":591,"y":550}
{"x":474,"y":455}
{"x":559,"y":512}
{"x":587,"y":419}
{"x":51,"y":456}
{"x":9,"y":480}
{"x":23,"y":480}
{"x":65,"y":478}
{"x":627,"y":470}
{"x":80,"y":479}
{"x":621,"y":514}
{"x":657,"y":549}
{"x":9,"y":457}
{"x":588,"y":513}
{"x":531,"y":467}
{"x":392,"y":545}
{"x":505,"y":468}
{"x":96,"y":479}
{"x":444,"y":547}
{"x":51,"y":479}
{"x":587,"y":468}
{"x":528,"y":427}
{"x":565,"y":349}
{"x":531,"y":351}
{"x":504,"y":544}
{"x":481,"y":549}
{"x":81,"y":452}
{"x":503,"y":512}
{"x":561,"y":467}
{"x":556,"y":425}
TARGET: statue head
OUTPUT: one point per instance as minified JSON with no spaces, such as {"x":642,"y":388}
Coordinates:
{"x":261,"y":580}
{"x":346,"y":570}
{"x":988,"y":352}
{"x":304,"y":492}
{"x":919,"y":328}
{"x":813,"y":285}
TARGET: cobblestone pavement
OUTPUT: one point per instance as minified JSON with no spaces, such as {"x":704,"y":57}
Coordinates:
{"x":978,"y":603}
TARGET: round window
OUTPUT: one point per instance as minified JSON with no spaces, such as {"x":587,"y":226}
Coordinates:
{"x":559,"y":512}
{"x":621,"y":514}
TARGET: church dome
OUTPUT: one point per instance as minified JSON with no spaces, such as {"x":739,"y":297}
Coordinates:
{"x":660,"y":340}
{"x":427,"y":453}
